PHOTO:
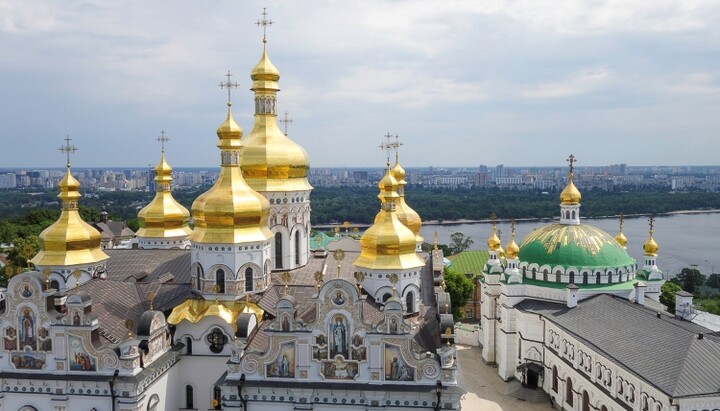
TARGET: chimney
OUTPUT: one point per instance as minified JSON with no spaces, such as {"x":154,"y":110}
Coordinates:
{"x":572,"y":290}
{"x":683,"y":305}
{"x":640,"y":293}
{"x":700,"y":336}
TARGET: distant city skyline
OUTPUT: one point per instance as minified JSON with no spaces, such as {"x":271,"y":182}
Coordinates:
{"x":519,"y":84}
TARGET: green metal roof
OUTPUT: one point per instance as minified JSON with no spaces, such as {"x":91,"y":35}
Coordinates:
{"x":573,"y":246}
{"x":469,"y":262}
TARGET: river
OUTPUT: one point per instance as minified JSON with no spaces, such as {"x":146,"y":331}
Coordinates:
{"x":685,"y":239}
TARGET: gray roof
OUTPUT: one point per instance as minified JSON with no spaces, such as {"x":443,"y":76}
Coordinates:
{"x":665,"y":352}
{"x":126,"y":264}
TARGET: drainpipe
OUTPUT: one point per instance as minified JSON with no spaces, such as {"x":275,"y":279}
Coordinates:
{"x":239,"y":388}
{"x":112,"y":389}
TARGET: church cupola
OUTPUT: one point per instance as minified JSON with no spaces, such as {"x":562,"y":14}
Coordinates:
{"x":230,"y":243}
{"x":511,"y":253}
{"x":70,"y":248}
{"x":277,"y":167}
{"x":405,"y":213}
{"x":650,"y":252}
{"x":387,"y":251}
{"x":620,"y":237}
{"x":163,"y":222}
{"x":570,"y":199}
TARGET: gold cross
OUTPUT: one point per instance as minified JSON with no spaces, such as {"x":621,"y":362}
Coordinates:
{"x":68,"y":149}
{"x":387,"y":146}
{"x":652,"y":224}
{"x":622,"y":219}
{"x":512,"y":228}
{"x":264,"y":23}
{"x":286,"y":120}
{"x":162,"y":139}
{"x":229,"y":85}
{"x":571,"y":160}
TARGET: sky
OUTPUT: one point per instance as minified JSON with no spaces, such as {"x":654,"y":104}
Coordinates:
{"x":462,"y":83}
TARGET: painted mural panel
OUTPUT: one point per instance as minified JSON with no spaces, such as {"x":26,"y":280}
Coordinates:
{"x":339,"y":369}
{"x":339,"y":333}
{"x":10,"y":339}
{"x":396,"y":369}
{"x":79,"y":358}
{"x":27,"y":360}
{"x":26,"y":322}
{"x":284,"y":364}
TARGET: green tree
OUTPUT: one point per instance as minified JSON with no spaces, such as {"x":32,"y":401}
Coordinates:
{"x":459,"y":243}
{"x":713,"y":280}
{"x":23,"y":249}
{"x":667,"y":295}
{"x":690,"y":279}
{"x":460,"y":289}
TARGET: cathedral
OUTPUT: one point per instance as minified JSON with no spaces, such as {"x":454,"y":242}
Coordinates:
{"x":568,"y":311}
{"x":236,"y":312}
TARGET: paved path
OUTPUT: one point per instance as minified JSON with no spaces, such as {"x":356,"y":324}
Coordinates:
{"x":485,"y":390}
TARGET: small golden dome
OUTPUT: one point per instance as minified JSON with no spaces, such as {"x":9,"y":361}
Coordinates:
{"x":271,"y":161}
{"x":621,"y":239}
{"x":69,"y":240}
{"x":404,"y":212}
{"x":512,"y":249}
{"x":388,"y":244}
{"x":399,"y":173}
{"x":493,"y":241}
{"x":230,"y":212}
{"x":164,"y":217}
{"x":570,"y":195}
{"x":650,"y":247}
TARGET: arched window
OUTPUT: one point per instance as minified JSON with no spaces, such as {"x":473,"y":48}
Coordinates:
{"x":55,"y":284}
{"x":278,"y":251}
{"x":410,"y":302}
{"x":558,"y":276}
{"x":597,"y":278}
{"x":572,"y":277}
{"x":609,"y":278}
{"x":585,"y":401}
{"x":220,"y":280}
{"x":585,"y":278}
{"x":248,"y":279}
{"x":573,"y":214}
{"x":603,"y":408}
{"x":534,"y":274}
{"x":386,"y":297}
{"x":188,"y":347}
{"x":555,"y":379}
{"x":198,"y":277}
{"x":297,"y":247}
{"x":545,"y":275}
{"x":189,"y":397}
{"x":569,"y":392}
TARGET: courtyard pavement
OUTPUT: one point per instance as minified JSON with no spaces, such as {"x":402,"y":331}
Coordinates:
{"x":485,"y":390}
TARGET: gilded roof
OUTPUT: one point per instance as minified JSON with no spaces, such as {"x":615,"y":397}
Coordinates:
{"x":195,"y":310}
{"x":164,"y":216}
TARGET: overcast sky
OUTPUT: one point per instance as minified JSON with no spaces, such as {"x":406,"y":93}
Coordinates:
{"x":463,"y":83}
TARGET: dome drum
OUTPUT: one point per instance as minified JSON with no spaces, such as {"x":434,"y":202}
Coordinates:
{"x":574,"y":275}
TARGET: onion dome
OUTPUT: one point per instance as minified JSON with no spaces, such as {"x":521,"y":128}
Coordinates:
{"x":271,"y":161}
{"x":69,"y":240}
{"x":493,"y":241}
{"x":404,"y":212}
{"x":570,"y":195}
{"x":164,"y":216}
{"x":650,"y":248}
{"x":620,"y":237}
{"x":580,"y":246}
{"x":230,"y":212}
{"x":388,"y":244}
{"x":512,"y":249}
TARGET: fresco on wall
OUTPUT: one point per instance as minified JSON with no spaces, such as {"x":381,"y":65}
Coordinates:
{"x":395,"y":368}
{"x":339,"y":333}
{"x":27,"y":360}
{"x":79,"y":358}
{"x":10,"y":339}
{"x":339,"y":369}
{"x":44,"y":340}
{"x":27,"y":332}
{"x":284,"y":364}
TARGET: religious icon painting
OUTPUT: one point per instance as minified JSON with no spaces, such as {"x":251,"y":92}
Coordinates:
{"x":284,"y":364}
{"x":10,"y":339}
{"x":396,"y":369}
{"x":26,"y":292}
{"x":44,"y":340}
{"x":359,"y":353}
{"x":339,"y":332}
{"x":339,"y":298}
{"x":80,"y":359}
{"x":320,"y":353}
{"x":357,"y":340}
{"x":28,"y":333}
{"x":321,"y":340}
{"x":27,"y":360}
{"x":339,"y":369}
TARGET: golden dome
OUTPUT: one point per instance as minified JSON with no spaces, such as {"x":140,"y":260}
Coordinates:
{"x":271,"y":161}
{"x":493,"y":241}
{"x":69,"y":240}
{"x":621,"y":239}
{"x":404,"y":212}
{"x":164,"y":216}
{"x":230,"y":212}
{"x":651,"y":247}
{"x":388,"y":244}
{"x":570,"y":195}
{"x":512,"y":249}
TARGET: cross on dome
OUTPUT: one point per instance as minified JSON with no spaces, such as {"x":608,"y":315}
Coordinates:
{"x":571,"y":160}
{"x":264,"y":23}
{"x":162,"y":139}
{"x":229,"y":85}
{"x":387,"y":146}
{"x":286,"y":120}
{"x":68,"y":149}
{"x":651,"y":220}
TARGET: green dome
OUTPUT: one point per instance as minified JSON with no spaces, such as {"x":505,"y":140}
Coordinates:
{"x":580,"y":246}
